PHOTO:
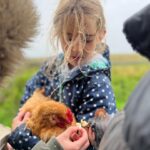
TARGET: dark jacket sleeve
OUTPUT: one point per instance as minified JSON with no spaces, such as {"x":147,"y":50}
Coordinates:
{"x":22,"y":138}
{"x":137,"y":31}
{"x":37,"y":81}
{"x":97,"y":93}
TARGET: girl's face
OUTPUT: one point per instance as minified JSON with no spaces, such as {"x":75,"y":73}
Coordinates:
{"x":80,"y":50}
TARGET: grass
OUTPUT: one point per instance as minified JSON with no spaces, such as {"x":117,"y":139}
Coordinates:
{"x":125,"y":79}
{"x":12,"y":94}
{"x":126,"y":73}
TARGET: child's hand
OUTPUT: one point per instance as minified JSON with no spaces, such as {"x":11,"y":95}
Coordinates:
{"x":22,"y":117}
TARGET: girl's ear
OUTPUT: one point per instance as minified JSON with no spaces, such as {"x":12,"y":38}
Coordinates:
{"x":100,"y":35}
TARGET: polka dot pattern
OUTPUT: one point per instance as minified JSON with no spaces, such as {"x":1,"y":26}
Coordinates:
{"x":22,"y":138}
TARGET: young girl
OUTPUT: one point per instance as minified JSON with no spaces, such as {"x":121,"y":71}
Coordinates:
{"x":80,"y":77}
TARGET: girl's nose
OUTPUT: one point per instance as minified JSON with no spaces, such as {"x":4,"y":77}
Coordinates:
{"x":77,"y":45}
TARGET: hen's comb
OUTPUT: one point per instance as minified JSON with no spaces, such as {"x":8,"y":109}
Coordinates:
{"x":69,"y":116}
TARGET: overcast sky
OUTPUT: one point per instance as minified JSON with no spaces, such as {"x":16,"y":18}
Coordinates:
{"x":116,"y":11}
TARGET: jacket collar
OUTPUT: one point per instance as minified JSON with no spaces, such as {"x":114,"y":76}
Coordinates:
{"x":96,"y":64}
{"x":51,"y":69}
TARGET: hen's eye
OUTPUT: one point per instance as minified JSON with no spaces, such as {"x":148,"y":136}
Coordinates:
{"x":53,"y":117}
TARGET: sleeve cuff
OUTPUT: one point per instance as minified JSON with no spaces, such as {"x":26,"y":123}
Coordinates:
{"x":54,"y":144}
{"x":51,"y":144}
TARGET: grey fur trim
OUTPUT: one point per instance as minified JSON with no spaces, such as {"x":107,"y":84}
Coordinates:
{"x":18,"y":20}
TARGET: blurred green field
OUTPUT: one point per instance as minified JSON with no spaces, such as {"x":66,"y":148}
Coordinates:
{"x":126,"y":73}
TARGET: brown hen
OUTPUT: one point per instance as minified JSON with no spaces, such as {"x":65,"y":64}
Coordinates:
{"x":48,"y":117}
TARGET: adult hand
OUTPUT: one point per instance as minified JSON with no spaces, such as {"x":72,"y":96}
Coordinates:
{"x":80,"y":141}
{"x":91,"y":135}
{"x":22,"y":117}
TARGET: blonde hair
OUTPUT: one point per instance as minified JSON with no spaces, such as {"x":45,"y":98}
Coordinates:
{"x":69,"y":11}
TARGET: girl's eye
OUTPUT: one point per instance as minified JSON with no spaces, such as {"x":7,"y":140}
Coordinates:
{"x":87,"y":40}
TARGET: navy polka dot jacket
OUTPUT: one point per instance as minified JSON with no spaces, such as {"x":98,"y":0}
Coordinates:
{"x":83,"y":89}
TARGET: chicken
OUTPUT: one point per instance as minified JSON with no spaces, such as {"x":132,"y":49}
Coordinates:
{"x":99,"y":125}
{"x":103,"y":117}
{"x":101,"y":113}
{"x":48,"y":117}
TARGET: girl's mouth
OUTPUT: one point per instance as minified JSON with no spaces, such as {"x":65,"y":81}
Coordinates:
{"x":77,"y":58}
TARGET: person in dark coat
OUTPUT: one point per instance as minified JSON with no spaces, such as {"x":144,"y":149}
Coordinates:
{"x":130,"y":129}
{"x":137,"y":31}
{"x":136,"y":128}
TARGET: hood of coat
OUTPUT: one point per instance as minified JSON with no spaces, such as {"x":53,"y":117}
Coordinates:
{"x":137,"y":31}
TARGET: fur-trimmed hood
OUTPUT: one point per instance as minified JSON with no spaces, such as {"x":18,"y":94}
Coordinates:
{"x":137,"y":31}
{"x":18,"y":19}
